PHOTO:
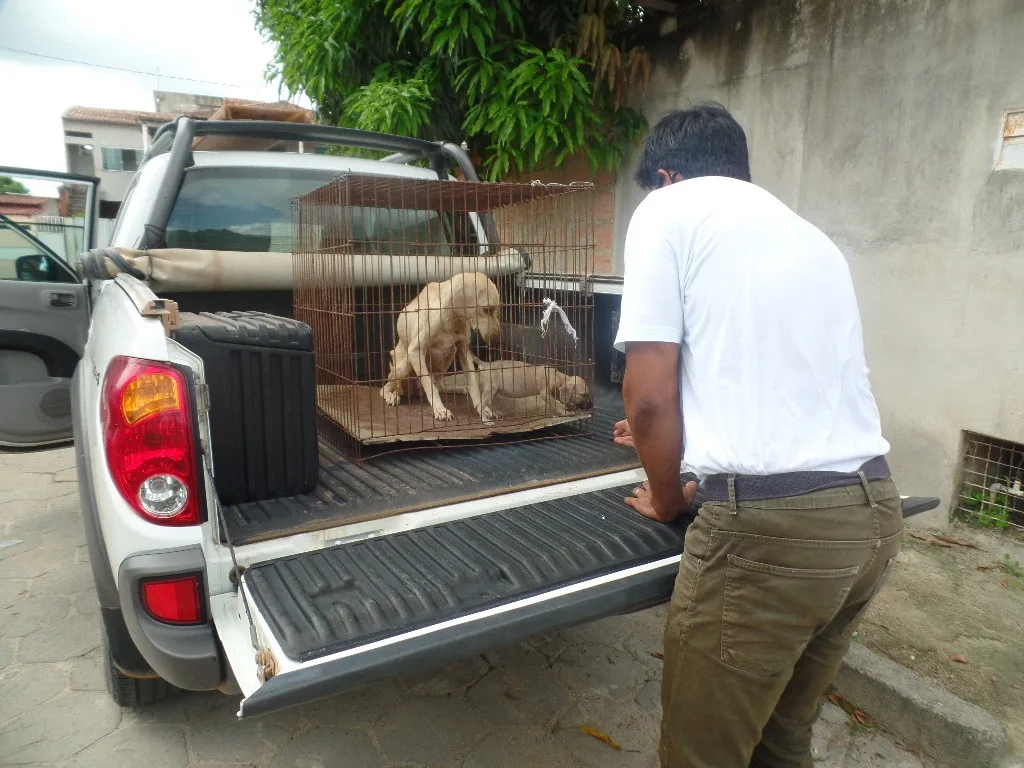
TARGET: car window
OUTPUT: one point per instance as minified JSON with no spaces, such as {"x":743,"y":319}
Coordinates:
{"x":251,"y":210}
{"x":23,"y":259}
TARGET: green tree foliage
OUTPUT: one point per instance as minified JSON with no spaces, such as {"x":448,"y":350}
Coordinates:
{"x":9,"y":186}
{"x":525,"y":82}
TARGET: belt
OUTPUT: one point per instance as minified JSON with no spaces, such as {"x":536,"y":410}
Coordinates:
{"x":761,"y":487}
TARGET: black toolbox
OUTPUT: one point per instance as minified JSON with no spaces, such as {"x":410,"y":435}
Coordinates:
{"x":262,"y":380}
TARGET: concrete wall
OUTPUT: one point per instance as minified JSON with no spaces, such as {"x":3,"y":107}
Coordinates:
{"x":175,"y":103}
{"x":880,"y":121}
{"x":113,"y":184}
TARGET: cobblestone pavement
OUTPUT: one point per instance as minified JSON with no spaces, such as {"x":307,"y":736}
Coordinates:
{"x":515,"y":707}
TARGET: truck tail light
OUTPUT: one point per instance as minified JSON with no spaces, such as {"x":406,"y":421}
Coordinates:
{"x":175,"y":600}
{"x":150,"y":445}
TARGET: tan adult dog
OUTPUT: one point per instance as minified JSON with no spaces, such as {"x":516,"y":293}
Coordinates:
{"x":433,"y":330}
{"x":534,"y":389}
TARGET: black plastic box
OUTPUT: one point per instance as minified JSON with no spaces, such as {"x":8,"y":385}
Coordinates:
{"x":262,"y":380}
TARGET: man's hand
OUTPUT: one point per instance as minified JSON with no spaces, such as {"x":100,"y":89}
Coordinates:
{"x":622,"y":435}
{"x":644,"y":503}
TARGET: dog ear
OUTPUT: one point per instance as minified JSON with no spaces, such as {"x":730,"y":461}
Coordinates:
{"x":486,"y":294}
{"x":450,"y":292}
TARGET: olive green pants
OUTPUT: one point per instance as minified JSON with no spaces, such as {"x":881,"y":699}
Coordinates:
{"x":763,"y":611}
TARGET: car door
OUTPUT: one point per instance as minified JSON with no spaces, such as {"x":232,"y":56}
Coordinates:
{"x":46,"y":219}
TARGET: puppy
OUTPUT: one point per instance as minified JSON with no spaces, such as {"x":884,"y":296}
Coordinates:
{"x":433,"y":330}
{"x":533,"y":388}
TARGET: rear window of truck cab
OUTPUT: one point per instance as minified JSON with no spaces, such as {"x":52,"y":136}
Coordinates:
{"x":246,"y":209}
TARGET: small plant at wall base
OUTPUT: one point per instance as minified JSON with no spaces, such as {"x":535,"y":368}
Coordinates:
{"x":1000,"y":506}
{"x":525,"y":82}
{"x":988,"y":508}
{"x":1012,"y":567}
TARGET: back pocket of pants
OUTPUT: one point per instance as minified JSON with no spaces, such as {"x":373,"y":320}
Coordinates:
{"x":770,"y":613}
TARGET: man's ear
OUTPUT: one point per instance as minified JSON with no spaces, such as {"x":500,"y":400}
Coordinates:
{"x":668,"y":176}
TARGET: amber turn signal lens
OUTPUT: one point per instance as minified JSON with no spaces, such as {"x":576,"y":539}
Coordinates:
{"x":148,"y":394}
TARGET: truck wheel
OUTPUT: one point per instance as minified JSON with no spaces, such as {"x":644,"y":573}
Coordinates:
{"x":132,"y":691}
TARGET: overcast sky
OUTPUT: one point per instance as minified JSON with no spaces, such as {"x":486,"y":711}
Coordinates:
{"x":197,"y":46}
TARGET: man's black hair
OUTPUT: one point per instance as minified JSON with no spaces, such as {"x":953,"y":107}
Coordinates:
{"x":704,"y":140}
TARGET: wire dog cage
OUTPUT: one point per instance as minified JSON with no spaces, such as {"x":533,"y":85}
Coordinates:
{"x":447,"y":310}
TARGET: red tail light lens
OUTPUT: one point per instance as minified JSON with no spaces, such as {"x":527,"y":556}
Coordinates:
{"x":147,"y":432}
{"x":176,"y":600}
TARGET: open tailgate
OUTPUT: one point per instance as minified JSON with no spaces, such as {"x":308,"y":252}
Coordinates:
{"x":338,"y":618}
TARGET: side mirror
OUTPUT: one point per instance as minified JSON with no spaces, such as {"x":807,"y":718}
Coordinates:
{"x":35,"y":268}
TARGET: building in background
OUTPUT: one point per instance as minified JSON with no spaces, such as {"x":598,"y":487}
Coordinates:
{"x":55,"y":220}
{"x":25,"y":209}
{"x":110,"y":143}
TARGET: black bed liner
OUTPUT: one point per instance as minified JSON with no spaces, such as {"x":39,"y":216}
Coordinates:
{"x":416,"y":479}
{"x":330,"y":600}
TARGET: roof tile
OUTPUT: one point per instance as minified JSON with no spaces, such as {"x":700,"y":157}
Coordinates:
{"x":134,"y":117}
{"x":6,"y":199}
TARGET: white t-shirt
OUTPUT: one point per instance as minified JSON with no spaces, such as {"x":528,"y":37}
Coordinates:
{"x":773,"y":374}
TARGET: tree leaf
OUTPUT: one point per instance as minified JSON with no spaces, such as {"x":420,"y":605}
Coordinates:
{"x":956,"y":542}
{"x":478,"y":38}
{"x":931,"y":540}
{"x":600,"y":736}
{"x":842,"y":703}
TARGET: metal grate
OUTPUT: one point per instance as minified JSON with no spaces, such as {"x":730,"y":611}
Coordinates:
{"x":390,"y":272}
{"x":991,"y":490}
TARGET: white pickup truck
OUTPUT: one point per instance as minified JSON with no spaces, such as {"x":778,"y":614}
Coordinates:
{"x":406,"y":561}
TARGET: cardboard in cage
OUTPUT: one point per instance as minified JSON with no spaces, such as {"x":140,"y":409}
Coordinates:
{"x":447,"y":310}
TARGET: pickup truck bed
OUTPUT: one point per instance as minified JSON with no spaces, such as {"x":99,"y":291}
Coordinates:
{"x":408,"y":480}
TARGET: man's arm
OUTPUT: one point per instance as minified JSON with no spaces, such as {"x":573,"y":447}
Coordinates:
{"x":651,"y":395}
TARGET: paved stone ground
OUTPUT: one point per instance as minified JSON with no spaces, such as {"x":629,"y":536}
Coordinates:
{"x":517,"y":707}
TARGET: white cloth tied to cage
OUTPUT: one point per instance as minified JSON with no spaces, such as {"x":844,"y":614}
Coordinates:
{"x":551,"y":307}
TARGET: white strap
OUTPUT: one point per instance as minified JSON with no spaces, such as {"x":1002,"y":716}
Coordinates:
{"x":549,"y":307}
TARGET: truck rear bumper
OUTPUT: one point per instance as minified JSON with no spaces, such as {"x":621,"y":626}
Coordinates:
{"x":185,"y":656}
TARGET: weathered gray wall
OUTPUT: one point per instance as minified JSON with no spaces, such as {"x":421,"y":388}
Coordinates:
{"x":172,"y":102}
{"x":879,"y":121}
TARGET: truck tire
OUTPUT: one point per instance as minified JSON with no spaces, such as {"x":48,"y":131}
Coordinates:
{"x":132,"y":691}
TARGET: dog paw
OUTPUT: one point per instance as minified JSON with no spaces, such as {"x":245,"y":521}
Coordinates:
{"x":390,"y":398}
{"x":489,"y":416}
{"x":443,"y":414}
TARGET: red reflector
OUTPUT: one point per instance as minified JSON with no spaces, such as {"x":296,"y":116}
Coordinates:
{"x":176,"y":601}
